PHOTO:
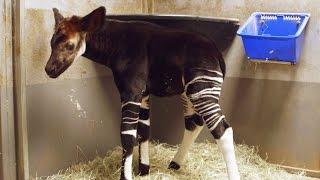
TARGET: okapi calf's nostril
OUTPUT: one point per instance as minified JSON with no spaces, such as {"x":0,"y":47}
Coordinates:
{"x":50,"y":72}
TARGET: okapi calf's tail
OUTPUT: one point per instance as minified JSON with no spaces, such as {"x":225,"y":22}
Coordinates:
{"x":220,"y":58}
{"x":222,"y":65}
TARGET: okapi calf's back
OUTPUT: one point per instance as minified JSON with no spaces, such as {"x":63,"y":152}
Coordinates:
{"x":149,"y":59}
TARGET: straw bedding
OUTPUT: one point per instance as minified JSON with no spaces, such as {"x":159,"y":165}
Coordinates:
{"x":203,"y":162}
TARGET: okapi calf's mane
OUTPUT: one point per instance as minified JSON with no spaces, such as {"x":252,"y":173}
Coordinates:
{"x":69,"y":26}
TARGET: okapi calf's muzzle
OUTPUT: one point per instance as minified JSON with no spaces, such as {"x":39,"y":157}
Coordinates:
{"x":58,"y":63}
{"x":54,"y":68}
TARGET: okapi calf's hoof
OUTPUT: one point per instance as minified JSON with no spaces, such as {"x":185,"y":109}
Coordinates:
{"x":174,"y":166}
{"x":143,"y":169}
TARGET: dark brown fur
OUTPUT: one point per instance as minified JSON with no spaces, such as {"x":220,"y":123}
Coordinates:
{"x":156,"y":56}
{"x":142,"y":56}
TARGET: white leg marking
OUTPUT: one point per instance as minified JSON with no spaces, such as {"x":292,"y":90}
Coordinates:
{"x":145,"y":122}
{"x":128,"y":167}
{"x":211,"y":107}
{"x":208,"y":106}
{"x":131,"y":102}
{"x":133,"y":122}
{"x":212,"y":118}
{"x":211,"y":112}
{"x":144,"y":152}
{"x":226,"y":146}
{"x":127,"y":110}
{"x":216,"y":123}
{"x":210,"y":79}
{"x":205,"y":91}
{"x":129,"y":118}
{"x":144,"y":146}
{"x":130,"y":132}
{"x":188,"y":138}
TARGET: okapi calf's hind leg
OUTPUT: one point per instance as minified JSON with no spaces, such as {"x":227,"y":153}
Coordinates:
{"x":193,"y":127}
{"x":203,"y":88}
{"x":143,"y":136}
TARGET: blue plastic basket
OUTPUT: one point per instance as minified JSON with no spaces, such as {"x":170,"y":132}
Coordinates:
{"x":274,"y":36}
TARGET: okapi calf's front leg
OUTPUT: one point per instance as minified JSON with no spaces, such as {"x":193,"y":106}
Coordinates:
{"x":129,"y":124}
{"x":131,"y":89}
{"x":143,"y":136}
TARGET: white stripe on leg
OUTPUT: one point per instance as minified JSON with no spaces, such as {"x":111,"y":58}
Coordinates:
{"x":127,"y":167}
{"x":130,"y":132}
{"x":144,"y":152}
{"x":226,"y":146}
{"x":145,"y":122}
{"x":188,"y":138}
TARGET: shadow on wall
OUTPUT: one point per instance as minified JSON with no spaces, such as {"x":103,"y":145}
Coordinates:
{"x":167,"y":121}
{"x":71,"y":121}
{"x":280,"y":117}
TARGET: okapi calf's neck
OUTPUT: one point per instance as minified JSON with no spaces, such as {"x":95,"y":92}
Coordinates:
{"x":149,"y":59}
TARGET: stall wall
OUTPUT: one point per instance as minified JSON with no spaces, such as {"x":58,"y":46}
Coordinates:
{"x":272,"y":106}
{"x":7,"y":136}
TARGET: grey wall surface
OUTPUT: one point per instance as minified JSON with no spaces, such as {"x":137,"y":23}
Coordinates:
{"x":7,"y":134}
{"x":275,"y":107}
{"x":71,"y":121}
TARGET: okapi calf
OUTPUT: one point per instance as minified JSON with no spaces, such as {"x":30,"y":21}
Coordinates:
{"x":149,"y":59}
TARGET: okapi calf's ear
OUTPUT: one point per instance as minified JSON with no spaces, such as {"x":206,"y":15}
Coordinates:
{"x":57,"y":16}
{"x":93,"y":21}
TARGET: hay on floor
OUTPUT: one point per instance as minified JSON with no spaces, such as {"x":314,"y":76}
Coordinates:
{"x":203,"y":162}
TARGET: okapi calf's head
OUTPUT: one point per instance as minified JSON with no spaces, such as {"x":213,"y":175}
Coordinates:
{"x":69,"y":39}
